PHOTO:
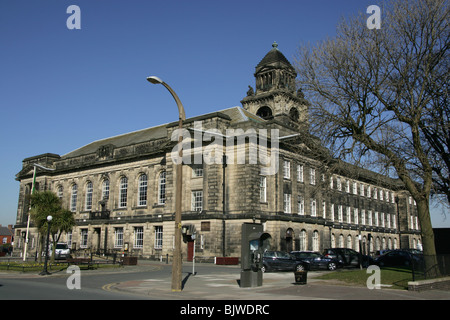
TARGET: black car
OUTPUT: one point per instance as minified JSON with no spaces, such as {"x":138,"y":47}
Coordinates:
{"x":348,"y":257}
{"x":314,"y":260}
{"x":400,"y":258}
{"x":280,"y":261}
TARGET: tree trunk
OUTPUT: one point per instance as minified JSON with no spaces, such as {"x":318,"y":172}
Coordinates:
{"x":429,"y":249}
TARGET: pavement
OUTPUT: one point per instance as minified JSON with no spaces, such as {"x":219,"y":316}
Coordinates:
{"x":224,"y":285}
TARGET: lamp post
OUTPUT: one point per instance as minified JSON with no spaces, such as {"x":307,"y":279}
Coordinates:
{"x":35,"y":165}
{"x":49,"y":224}
{"x":176,"y":264}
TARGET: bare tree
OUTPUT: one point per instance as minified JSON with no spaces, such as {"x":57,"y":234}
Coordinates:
{"x":382,"y":94}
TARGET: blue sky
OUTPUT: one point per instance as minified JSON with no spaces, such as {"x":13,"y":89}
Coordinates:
{"x":61,"y":89}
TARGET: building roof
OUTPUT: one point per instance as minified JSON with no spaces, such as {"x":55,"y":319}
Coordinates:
{"x":274,"y":58}
{"x":235,"y":115}
{"x":122,"y":140}
{"x":5,"y":231}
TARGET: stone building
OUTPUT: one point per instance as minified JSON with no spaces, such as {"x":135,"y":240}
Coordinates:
{"x":121,"y":189}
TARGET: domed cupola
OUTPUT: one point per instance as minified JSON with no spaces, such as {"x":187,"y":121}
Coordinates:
{"x":275,"y":72}
{"x":275,"y":96}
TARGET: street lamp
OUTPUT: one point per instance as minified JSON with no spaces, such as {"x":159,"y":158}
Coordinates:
{"x":49,"y":224}
{"x":176,"y":264}
{"x":35,"y":165}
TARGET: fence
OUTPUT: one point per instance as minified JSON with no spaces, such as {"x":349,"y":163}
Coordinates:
{"x":429,"y":267}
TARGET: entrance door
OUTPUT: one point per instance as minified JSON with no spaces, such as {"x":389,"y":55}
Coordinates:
{"x":190,"y":254}
{"x":97,"y":240}
{"x":289,"y":242}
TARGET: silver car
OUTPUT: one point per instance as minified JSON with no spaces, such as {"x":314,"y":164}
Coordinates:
{"x":62,"y":251}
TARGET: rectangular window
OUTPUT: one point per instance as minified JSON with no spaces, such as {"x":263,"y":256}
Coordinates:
{"x":286,"y":169}
{"x":287,"y":203}
{"x":69,"y":239}
{"x":301,"y":205}
{"x":324,"y":209}
{"x":340,"y":214}
{"x":313,"y":208}
{"x":158,"y":237}
{"x":349,"y":217}
{"x":197,"y":172}
{"x":118,"y":237}
{"x":138,"y":237}
{"x":332,"y":212}
{"x":300,"y":173}
{"x":197,"y":201}
{"x":84,"y":238}
{"x":162,"y":188}
{"x":263,"y":189}
{"x":355,"y":216}
{"x":312,"y":176}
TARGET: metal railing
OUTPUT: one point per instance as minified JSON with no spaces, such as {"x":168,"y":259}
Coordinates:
{"x":430,"y":267}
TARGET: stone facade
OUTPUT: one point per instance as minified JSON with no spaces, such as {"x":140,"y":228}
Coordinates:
{"x":121,"y":189}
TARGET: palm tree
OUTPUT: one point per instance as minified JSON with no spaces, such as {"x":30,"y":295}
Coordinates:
{"x":47,"y":203}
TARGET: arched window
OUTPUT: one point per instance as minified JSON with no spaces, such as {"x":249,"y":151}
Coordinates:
{"x":59,"y":191}
{"x":349,"y":242}
{"x":89,"y":191}
{"x":123,"y":190}
{"x":105,"y":189}
{"x":264,"y":112}
{"x":73,"y":198}
{"x":315,"y":241}
{"x":341,"y":241}
{"x":162,"y":188}
{"x":142,"y":190}
{"x":303,"y":241}
{"x":294,"y":114}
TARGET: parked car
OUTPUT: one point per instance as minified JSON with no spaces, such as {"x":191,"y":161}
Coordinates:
{"x":62,"y":251}
{"x":400,"y":258}
{"x":348,"y":257}
{"x":315,"y":260}
{"x":380,"y":253}
{"x":280,"y":261}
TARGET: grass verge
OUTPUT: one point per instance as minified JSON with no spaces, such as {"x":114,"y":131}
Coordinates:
{"x":37,"y":267}
{"x":394,"y":278}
